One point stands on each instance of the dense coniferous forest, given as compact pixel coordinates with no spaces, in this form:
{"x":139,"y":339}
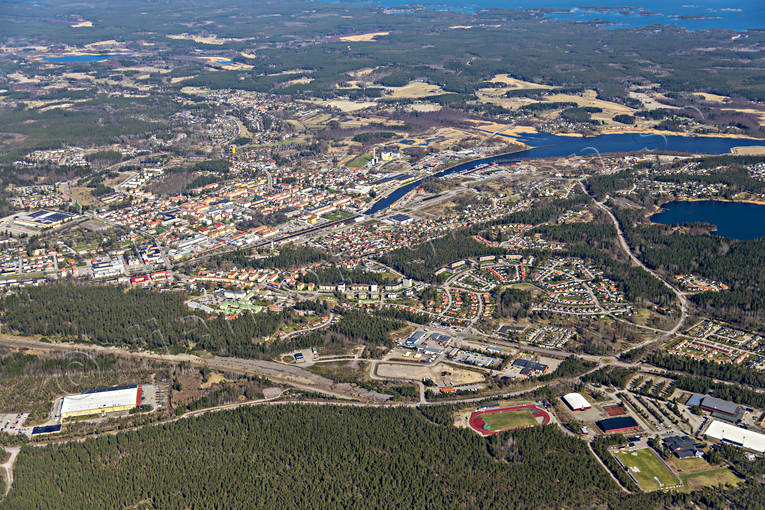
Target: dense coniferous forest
{"x":602,"y":185}
{"x":732,"y":373}
{"x":569,"y":367}
{"x":312,"y":457}
{"x":610,"y":376}
{"x":369,"y":328}
{"x":288,"y":256}
{"x":592,"y":234}
{"x":334,"y":275}
{"x":513,"y":303}
{"x":404,"y":315}
{"x":135,"y":318}
{"x":335,"y":457}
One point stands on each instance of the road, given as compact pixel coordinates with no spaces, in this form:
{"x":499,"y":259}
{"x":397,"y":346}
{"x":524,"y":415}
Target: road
{"x":348,"y":394}
{"x":8,"y":466}
{"x":683,"y":302}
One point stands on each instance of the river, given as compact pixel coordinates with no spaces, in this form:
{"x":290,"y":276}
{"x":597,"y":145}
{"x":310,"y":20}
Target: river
{"x":548,"y":146}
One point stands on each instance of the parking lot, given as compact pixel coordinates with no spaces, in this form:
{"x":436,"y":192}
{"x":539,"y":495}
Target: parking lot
{"x":12,"y":423}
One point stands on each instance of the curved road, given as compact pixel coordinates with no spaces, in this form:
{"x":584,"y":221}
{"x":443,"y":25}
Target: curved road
{"x":626,"y":247}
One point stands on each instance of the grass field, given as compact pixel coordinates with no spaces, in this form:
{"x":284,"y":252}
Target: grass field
{"x":509,"y":420}
{"x":697,"y":473}
{"x":337,"y":215}
{"x":646,"y":467}
{"x":713,"y":478}
{"x":360,"y":161}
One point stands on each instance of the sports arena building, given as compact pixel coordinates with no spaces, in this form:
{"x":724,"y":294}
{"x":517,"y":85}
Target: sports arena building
{"x":102,"y":400}
{"x":737,"y":436}
{"x":719,"y":408}
{"x":576,"y":402}
{"x":619,"y":424}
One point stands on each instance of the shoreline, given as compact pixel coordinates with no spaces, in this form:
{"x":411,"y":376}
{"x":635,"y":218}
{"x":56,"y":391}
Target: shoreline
{"x":612,"y":131}
{"x":660,"y":207}
{"x":729,"y":200}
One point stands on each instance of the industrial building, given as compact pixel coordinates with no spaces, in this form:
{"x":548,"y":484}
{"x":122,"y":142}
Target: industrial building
{"x":576,"y":402}
{"x":529,"y":367}
{"x":719,"y":408}
{"x":401,"y":219}
{"x":616,"y":425}
{"x":103,"y":400}
{"x":43,"y":218}
{"x":736,"y":436}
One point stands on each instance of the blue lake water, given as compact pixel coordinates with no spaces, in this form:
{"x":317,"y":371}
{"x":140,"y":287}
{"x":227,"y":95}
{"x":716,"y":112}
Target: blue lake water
{"x":548,"y":146}
{"x":736,"y":220}
{"x":697,"y":15}
{"x":86,"y":58}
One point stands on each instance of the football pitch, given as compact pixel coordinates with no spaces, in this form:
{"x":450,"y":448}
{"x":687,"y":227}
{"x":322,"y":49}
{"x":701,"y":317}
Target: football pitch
{"x":650,"y":472}
{"x":509,"y":420}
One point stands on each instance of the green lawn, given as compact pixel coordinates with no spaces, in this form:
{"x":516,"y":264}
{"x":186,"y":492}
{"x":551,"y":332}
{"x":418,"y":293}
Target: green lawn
{"x":646,"y":467}
{"x":509,"y":420}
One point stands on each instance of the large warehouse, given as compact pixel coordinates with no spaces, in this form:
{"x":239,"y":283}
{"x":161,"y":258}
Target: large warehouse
{"x":104,"y":400}
{"x":719,"y":408}
{"x":576,"y":402}
{"x":736,"y":436}
{"x":620,"y":424}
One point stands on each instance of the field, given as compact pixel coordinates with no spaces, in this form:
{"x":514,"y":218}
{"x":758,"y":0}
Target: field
{"x":360,"y":161}
{"x":713,"y":478}
{"x":650,"y":473}
{"x":755,"y":150}
{"x":514,"y":83}
{"x":344,"y":105}
{"x":414,"y":90}
{"x":697,"y":473}
{"x":507,"y":418}
{"x":363,"y":37}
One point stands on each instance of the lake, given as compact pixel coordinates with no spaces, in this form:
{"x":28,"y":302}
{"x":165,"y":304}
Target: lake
{"x":735,"y":220}
{"x":86,"y":58}
{"x":545,"y":145}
